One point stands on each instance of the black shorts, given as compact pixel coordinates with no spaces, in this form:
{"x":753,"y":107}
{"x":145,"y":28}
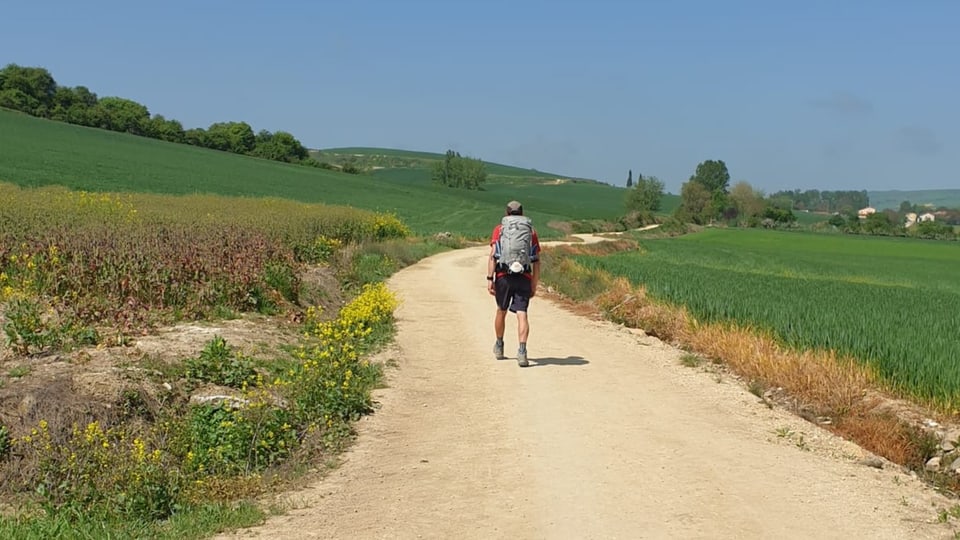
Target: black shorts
{"x":513,"y":292}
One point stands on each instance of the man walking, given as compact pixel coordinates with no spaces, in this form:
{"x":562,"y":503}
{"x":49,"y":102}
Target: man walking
{"x":513,"y":273}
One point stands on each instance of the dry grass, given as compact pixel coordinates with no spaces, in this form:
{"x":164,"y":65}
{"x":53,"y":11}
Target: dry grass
{"x":601,"y":248}
{"x":631,"y":306}
{"x":823,"y":383}
{"x":882,"y":434}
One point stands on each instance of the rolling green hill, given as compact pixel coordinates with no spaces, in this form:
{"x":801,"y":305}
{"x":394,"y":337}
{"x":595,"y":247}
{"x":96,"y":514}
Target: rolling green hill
{"x":577,"y":197}
{"x":390,"y":159}
{"x":37,"y":152}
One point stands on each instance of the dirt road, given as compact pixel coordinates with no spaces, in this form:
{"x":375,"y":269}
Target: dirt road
{"x":605,"y":435}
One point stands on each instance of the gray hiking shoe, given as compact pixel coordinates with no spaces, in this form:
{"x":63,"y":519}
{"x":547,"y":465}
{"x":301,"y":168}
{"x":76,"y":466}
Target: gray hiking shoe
{"x":522,"y":359}
{"x":498,"y":351}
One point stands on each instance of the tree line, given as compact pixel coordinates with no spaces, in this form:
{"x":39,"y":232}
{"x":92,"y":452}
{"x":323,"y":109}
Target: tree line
{"x":705,"y":198}
{"x":814,"y":200}
{"x":33,"y":90}
{"x":708,"y":198}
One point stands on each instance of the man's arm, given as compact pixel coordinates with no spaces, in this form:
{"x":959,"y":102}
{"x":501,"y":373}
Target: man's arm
{"x":535,"y":270}
{"x":491,"y":265}
{"x":534,"y":278}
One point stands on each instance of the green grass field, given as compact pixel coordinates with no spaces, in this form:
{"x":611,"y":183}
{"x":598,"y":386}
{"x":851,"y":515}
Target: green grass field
{"x":805,"y":219}
{"x":36,"y":152}
{"x":889,"y":302}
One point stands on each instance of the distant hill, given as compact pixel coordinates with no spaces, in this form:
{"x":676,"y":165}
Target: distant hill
{"x":391,"y":158}
{"x":936,"y":197}
{"x":582,"y":197}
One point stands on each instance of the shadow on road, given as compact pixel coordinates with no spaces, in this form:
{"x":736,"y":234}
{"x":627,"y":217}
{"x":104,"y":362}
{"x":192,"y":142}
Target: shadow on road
{"x":568,"y":361}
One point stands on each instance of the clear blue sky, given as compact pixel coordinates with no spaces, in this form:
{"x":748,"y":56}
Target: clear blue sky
{"x":840,"y":94}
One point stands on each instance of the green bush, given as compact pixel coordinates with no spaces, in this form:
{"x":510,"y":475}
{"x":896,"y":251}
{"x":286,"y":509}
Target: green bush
{"x":219,"y":364}
{"x":237,"y":440}
{"x":281,"y":277}
{"x":368,"y":268}
{"x":26,"y":329}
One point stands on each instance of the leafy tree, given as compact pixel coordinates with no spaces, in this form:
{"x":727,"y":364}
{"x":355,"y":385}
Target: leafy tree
{"x":695,"y":204}
{"x":779,"y":215}
{"x":934,"y":229}
{"x":712,"y":175}
{"x":645,"y":196}
{"x":18,"y":100}
{"x":853,"y":223}
{"x":196,"y":137}
{"x":97,"y":117}
{"x":27,"y":89}
{"x":445,"y":172}
{"x":81,"y":104}
{"x":124,"y":115}
{"x":279,"y":146}
{"x":878,"y":223}
{"x":714,"y":178}
{"x":167,"y":130}
{"x":83,"y":96}
{"x":63,"y":100}
{"x":474,"y":173}
{"x":236,"y":137}
{"x":747,"y":201}
{"x":630,"y":178}
{"x":458,"y":171}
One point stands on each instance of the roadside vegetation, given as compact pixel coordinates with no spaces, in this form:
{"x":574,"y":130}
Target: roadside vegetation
{"x":181,"y":447}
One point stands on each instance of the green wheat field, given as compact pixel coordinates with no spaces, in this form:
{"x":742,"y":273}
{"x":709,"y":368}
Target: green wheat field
{"x":893,"y":303}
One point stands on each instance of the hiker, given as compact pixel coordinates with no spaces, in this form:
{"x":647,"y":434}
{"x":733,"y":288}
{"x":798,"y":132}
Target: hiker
{"x":513,"y":272}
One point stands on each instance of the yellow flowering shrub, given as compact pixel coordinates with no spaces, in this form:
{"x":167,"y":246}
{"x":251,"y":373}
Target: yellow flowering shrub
{"x":388,"y":226}
{"x":328,"y":387}
{"x":331,"y":385}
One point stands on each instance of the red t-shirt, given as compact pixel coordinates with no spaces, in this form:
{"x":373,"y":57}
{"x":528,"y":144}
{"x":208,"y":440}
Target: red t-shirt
{"x":534,"y":247}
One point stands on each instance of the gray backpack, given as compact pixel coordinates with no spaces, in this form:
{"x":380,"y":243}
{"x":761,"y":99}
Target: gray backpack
{"x":516,"y":239}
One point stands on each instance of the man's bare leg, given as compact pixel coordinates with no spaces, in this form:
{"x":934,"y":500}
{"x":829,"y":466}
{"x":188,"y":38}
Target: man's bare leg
{"x":523,"y":330}
{"x":499,"y":326}
{"x":523,"y":327}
